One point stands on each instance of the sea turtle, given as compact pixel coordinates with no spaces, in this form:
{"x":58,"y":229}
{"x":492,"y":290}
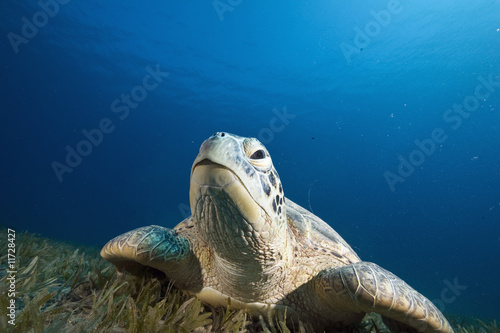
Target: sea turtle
{"x":245,"y":242}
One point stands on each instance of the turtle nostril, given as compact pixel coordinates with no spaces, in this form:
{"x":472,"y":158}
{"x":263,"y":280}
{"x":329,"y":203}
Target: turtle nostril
{"x":222,"y":134}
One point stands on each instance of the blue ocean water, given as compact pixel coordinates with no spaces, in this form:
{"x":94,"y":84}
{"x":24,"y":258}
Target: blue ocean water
{"x":381,"y":117}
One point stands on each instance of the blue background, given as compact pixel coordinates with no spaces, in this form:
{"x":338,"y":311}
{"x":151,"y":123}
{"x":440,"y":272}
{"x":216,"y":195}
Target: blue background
{"x":349,"y":119}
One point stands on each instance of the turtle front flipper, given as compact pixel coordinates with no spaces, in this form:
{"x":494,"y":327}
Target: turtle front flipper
{"x":157,"y":247}
{"x":367,"y":287}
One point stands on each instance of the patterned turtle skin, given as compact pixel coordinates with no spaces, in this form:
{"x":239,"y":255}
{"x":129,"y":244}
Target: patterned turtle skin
{"x":246,"y":242}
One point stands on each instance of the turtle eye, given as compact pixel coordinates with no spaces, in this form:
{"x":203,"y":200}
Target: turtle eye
{"x":258,"y":155}
{"x":260,"y":158}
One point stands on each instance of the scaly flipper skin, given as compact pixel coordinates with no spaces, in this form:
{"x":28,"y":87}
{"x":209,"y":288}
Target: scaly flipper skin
{"x":367,"y":287}
{"x":158,"y":247}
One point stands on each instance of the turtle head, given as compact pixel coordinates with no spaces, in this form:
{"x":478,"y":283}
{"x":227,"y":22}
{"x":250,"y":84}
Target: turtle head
{"x":238,"y":207}
{"x":236,"y":194}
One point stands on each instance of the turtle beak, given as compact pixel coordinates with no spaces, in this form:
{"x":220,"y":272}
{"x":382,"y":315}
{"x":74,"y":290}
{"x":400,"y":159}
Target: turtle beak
{"x":215,"y":180}
{"x":208,"y":173}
